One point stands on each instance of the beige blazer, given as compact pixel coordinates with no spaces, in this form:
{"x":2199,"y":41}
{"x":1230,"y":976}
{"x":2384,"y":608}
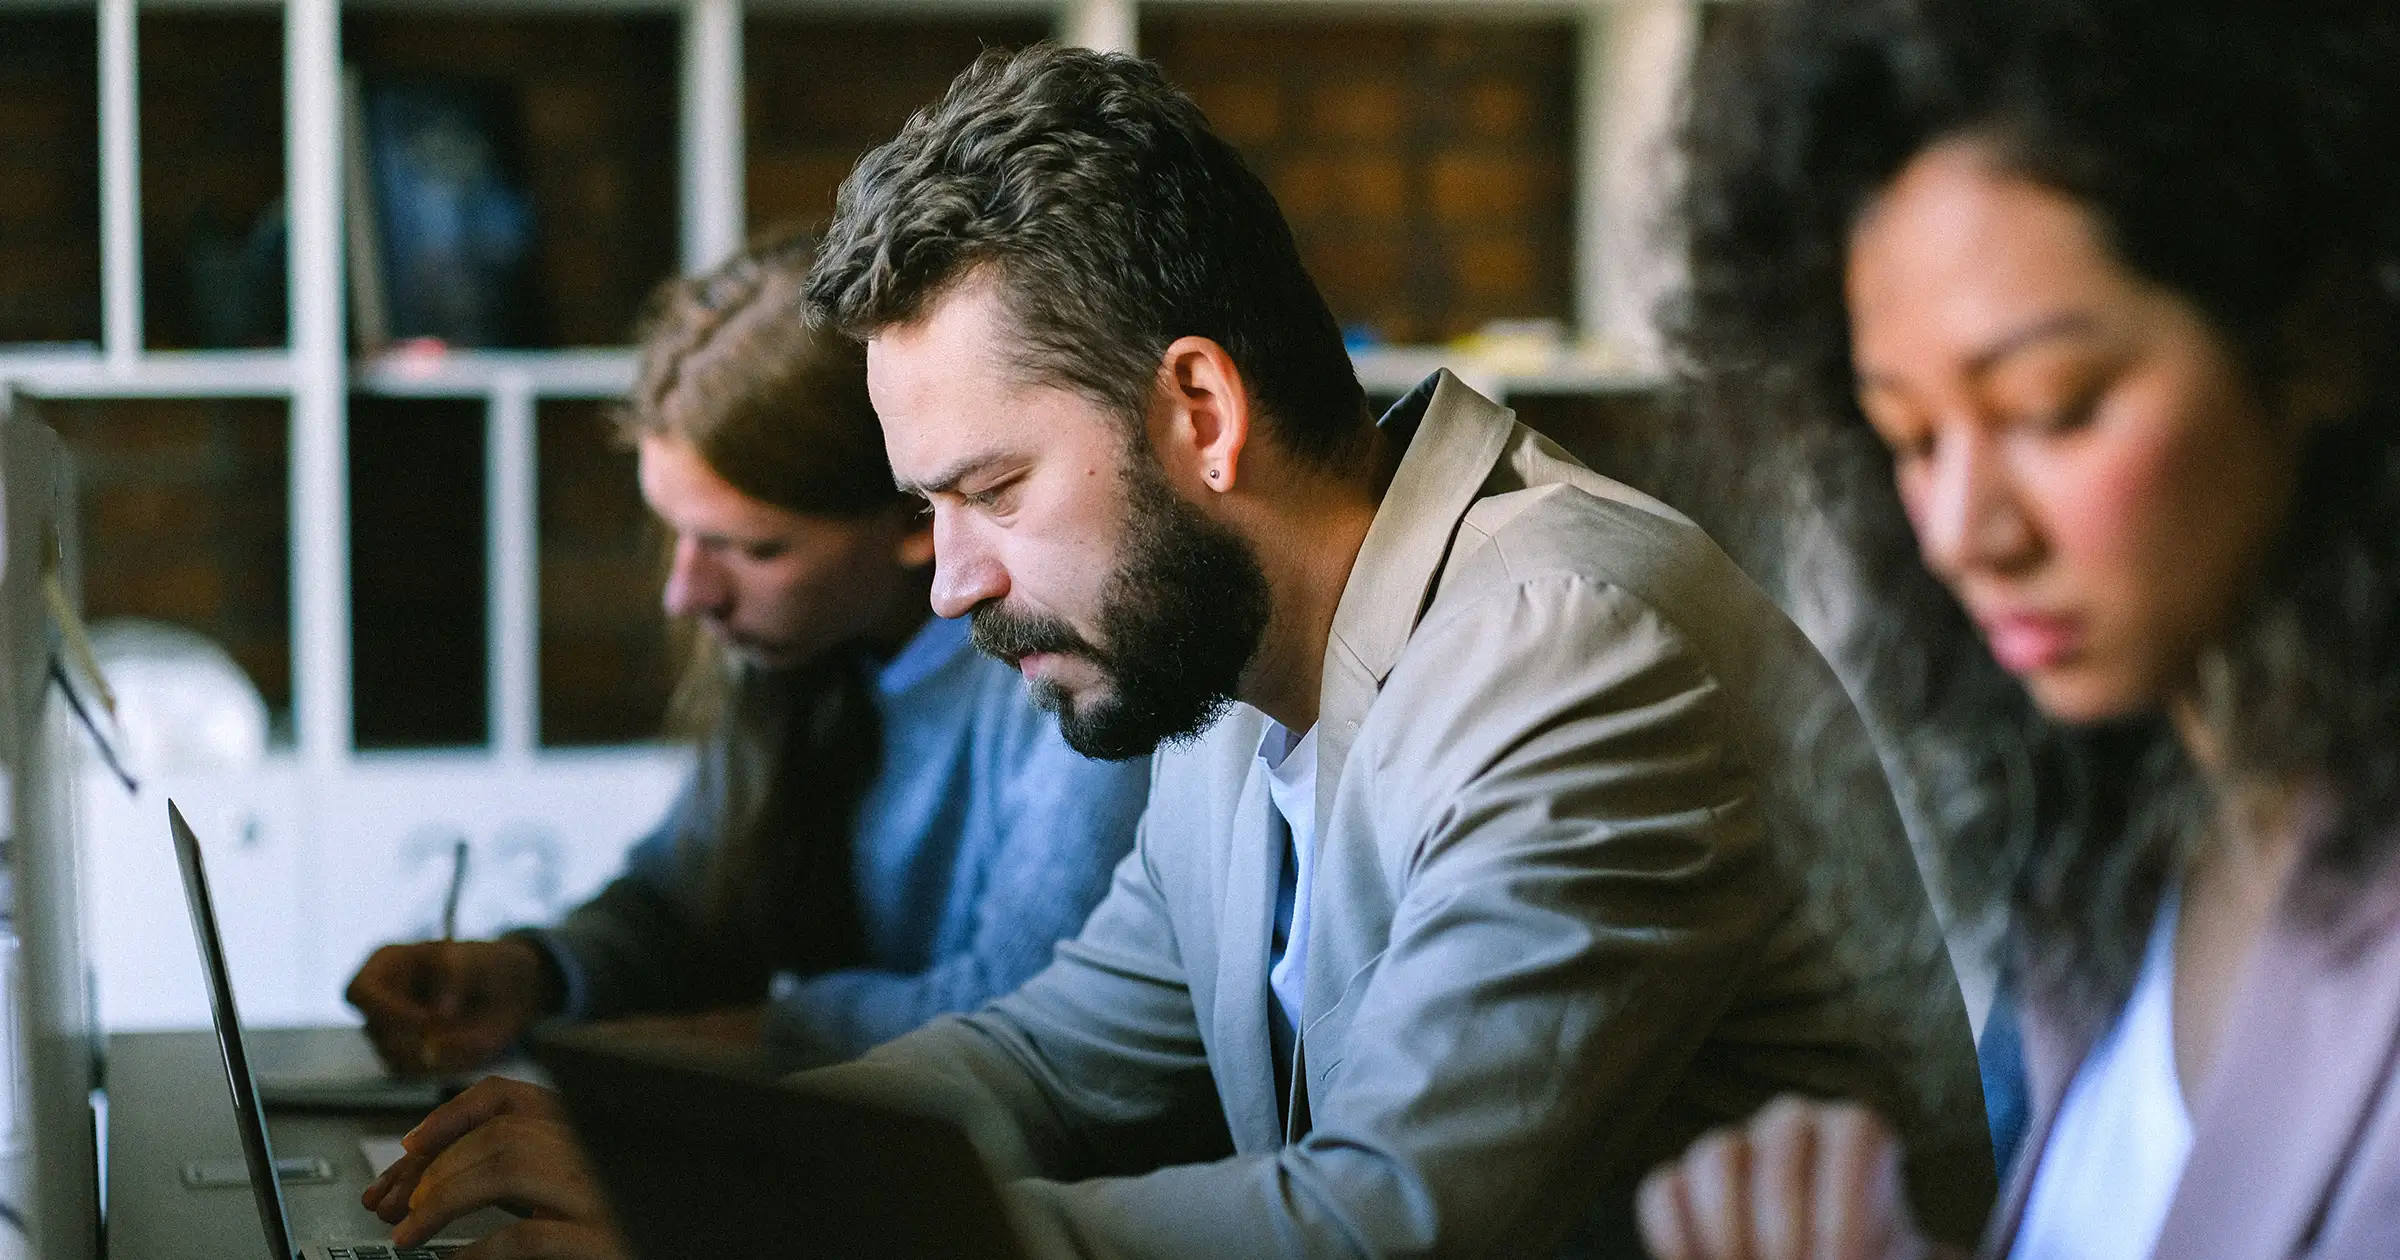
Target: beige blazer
{"x":2296,"y":1136}
{"x":1603,"y":859}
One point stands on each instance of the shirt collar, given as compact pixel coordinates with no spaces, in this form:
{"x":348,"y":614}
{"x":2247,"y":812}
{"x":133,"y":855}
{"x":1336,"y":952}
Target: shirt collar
{"x":933,"y":646}
{"x":1278,"y":745}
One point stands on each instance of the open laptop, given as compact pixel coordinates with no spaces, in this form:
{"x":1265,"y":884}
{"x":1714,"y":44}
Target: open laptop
{"x":249,"y":1116}
{"x":702,"y":1160}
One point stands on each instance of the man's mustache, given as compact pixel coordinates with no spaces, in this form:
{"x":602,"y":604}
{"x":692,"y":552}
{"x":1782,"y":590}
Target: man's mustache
{"x":1006,"y":636}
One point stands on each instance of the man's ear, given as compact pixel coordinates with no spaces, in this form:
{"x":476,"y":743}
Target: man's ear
{"x":1205,"y":427}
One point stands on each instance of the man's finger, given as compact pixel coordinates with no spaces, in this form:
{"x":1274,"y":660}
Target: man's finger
{"x":515,"y":1162}
{"x":1660,"y":1208}
{"x":1783,"y":1172}
{"x":388,"y":1193}
{"x":388,"y":982}
{"x":1717,"y":1170}
{"x":476,"y":1172}
{"x":1854,"y":1219}
{"x":478,"y":1104}
{"x":395,"y":1041}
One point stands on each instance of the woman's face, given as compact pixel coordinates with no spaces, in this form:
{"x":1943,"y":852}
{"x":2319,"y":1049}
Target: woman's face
{"x":2085,"y":462}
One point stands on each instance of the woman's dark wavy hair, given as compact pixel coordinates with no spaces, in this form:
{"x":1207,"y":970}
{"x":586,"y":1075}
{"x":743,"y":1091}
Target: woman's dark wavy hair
{"x":2243,"y":155}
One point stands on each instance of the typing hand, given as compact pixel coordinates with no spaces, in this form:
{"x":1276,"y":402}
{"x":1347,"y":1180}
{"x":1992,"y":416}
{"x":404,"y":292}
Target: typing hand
{"x":445,"y":1006}
{"x":505,"y":1144}
{"x":1802,"y":1180}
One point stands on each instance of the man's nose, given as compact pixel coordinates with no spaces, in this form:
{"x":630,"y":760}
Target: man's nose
{"x":696,"y":585}
{"x":966,"y":572}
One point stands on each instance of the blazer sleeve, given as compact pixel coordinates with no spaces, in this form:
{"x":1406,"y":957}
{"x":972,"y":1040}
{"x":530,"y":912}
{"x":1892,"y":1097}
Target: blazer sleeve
{"x":1094,"y":1065}
{"x":1579,"y":900}
{"x":1065,"y":822}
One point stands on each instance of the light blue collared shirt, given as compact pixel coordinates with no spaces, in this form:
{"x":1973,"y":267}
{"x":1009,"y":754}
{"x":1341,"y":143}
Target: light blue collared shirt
{"x":1291,"y":765}
{"x":982,"y":842}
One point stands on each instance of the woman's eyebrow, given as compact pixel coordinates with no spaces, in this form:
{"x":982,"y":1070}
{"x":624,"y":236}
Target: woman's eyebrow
{"x":2067,"y":326}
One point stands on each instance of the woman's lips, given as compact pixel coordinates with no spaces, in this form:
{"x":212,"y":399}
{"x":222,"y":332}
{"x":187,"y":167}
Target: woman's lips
{"x":2024,"y":643}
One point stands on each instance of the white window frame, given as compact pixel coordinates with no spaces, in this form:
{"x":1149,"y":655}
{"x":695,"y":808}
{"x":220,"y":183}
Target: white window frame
{"x":1633,"y":62}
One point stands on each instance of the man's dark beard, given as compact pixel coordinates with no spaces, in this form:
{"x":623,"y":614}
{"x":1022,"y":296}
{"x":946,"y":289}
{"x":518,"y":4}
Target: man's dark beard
{"x":1179,"y":621}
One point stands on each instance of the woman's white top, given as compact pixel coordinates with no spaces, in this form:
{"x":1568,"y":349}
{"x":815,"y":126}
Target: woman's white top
{"x":2109,"y":1170}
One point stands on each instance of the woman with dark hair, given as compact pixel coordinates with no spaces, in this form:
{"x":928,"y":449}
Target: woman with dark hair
{"x":2081,"y":319}
{"x":882,"y":828}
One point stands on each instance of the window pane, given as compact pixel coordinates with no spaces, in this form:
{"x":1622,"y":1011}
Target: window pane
{"x":823,"y":89}
{"x":185,"y":518}
{"x":1427,"y":170}
{"x":49,"y":177}
{"x":606,"y":667}
{"x":213,"y":231}
{"x":417,"y":584}
{"x":578,"y":116}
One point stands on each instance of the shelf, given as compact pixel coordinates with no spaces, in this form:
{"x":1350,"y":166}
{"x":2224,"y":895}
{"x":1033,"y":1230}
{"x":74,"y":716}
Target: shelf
{"x":1492,"y":9}
{"x":605,"y":372}
{"x":1397,"y":369}
{"x":69,"y":372}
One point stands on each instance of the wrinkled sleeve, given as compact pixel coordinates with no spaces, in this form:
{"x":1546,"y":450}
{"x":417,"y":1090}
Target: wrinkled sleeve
{"x":1581,"y":897}
{"x":639,"y":945}
{"x":1095,"y":1064}
{"x":1063,"y":823}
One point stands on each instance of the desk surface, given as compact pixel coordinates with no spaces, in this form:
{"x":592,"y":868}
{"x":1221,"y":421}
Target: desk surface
{"x":168,"y":1106}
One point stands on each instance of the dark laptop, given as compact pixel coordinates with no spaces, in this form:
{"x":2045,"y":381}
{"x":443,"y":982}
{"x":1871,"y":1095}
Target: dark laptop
{"x":713,"y":1160}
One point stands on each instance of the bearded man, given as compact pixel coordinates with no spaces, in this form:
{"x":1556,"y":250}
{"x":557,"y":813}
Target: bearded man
{"x":1504,"y":836}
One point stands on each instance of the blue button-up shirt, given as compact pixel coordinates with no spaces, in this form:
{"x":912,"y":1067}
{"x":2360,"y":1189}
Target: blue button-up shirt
{"x":982,"y":842}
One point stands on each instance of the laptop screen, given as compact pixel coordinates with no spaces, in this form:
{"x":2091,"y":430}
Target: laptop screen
{"x":248,"y":1116}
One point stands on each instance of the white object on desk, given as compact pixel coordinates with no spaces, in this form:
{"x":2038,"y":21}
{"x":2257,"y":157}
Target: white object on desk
{"x":381,"y":1152}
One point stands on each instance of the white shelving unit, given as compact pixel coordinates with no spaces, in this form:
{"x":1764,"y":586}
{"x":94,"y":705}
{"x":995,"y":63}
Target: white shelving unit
{"x":327,"y":826}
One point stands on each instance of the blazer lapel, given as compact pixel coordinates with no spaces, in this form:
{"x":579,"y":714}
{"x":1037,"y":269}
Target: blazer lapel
{"x":1243,"y":1054}
{"x":2055,"y":1049}
{"x":1458,"y":437}
{"x":2307,"y":1055}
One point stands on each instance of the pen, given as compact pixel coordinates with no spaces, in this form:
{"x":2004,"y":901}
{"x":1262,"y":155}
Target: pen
{"x":458,"y":881}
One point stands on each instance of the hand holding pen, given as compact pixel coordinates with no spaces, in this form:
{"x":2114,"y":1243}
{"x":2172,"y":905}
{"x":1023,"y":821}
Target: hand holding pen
{"x":448,"y":1005}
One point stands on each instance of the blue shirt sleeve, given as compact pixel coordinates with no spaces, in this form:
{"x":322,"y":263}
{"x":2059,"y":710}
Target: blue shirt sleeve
{"x":637,"y":946}
{"x":1056,"y":826}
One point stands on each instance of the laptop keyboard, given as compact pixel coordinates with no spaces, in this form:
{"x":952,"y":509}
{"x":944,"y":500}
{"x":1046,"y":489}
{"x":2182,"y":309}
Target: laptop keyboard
{"x":380,"y":1251}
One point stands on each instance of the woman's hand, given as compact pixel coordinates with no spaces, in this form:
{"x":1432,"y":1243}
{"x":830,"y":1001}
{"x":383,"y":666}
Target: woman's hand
{"x":506,"y":1144}
{"x":1803,"y":1180}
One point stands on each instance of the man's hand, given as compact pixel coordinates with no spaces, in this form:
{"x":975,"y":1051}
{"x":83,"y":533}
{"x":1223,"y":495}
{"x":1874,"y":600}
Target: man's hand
{"x":505,"y":1144}
{"x":445,"y":1006}
{"x":1802,"y":1180}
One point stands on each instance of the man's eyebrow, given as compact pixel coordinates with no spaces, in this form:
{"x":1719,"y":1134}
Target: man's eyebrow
{"x":949,"y":478}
